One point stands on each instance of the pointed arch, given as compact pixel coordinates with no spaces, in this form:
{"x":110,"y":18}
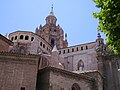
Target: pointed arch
{"x":80,"y":65}
{"x":52,"y":42}
{"x":75,"y":86}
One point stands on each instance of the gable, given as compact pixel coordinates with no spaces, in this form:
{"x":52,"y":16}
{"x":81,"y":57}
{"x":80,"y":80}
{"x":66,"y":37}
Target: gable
{"x":4,"y":43}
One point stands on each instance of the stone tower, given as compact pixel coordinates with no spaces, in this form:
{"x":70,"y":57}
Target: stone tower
{"x":51,"y":32}
{"x":107,"y":65}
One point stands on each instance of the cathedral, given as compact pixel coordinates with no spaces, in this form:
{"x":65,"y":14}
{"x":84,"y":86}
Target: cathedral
{"x":42,"y":60}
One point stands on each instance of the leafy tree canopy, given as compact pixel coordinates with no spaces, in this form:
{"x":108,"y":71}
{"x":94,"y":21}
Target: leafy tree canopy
{"x":109,"y":22}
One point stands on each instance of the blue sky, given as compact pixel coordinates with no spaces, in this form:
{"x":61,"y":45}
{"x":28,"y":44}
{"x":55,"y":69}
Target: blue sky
{"x":74,"y":16}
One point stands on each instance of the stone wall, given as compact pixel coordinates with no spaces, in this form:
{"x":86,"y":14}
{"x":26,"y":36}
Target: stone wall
{"x":97,"y":76}
{"x":88,"y":56}
{"x":18,"y":71}
{"x":58,"y":79}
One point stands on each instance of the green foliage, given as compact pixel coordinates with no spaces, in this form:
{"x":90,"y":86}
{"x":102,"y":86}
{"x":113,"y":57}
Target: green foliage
{"x":109,"y":21}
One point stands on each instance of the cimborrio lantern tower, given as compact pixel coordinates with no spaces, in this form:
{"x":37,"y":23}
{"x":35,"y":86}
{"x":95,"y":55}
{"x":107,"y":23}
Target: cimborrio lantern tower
{"x":51,"y":32}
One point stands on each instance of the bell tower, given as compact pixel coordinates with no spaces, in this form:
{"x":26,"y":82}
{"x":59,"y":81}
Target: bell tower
{"x":51,"y":32}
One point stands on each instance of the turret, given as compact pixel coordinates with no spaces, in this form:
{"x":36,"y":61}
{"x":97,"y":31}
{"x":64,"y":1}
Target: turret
{"x":107,"y":66}
{"x":100,"y":43}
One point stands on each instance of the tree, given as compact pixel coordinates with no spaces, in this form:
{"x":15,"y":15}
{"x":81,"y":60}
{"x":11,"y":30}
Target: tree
{"x":109,"y":22}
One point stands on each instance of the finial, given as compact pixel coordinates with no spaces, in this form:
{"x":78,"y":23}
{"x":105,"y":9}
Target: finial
{"x":52,"y":13}
{"x":99,"y":34}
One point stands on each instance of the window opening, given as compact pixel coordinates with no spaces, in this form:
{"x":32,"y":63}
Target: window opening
{"x":52,"y":42}
{"x":68,"y":50}
{"x":72,"y":49}
{"x":12,"y":38}
{"x":43,"y":45}
{"x":40,"y":43}
{"x":21,"y":36}
{"x":63,"y":51}
{"x":22,"y":88}
{"x":80,"y":65}
{"x":81,"y":48}
{"x":26,"y":37}
{"x":77,"y":48}
{"x":32,"y":38}
{"x":75,"y":86}
{"x":15,"y":37}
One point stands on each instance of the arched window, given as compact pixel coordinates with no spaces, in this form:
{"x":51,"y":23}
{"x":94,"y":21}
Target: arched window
{"x":75,"y":86}
{"x":21,"y":36}
{"x":72,"y":49}
{"x":43,"y":45}
{"x":15,"y":37}
{"x":80,"y":65}
{"x":68,"y":50}
{"x":22,"y":88}
{"x":12,"y":38}
{"x":77,"y":48}
{"x":63,"y":51}
{"x":86,"y":47}
{"x":40,"y":43}
{"x":81,"y":48}
{"x":52,"y":42}
{"x":22,"y":50}
{"x":32,"y":38}
{"x":26,"y":37}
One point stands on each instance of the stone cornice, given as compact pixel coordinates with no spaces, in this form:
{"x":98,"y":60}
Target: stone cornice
{"x":68,"y":73}
{"x":93,"y":71}
{"x":18,"y":58}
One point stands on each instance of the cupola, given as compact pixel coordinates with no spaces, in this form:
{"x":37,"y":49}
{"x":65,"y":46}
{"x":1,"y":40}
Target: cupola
{"x":51,"y":19}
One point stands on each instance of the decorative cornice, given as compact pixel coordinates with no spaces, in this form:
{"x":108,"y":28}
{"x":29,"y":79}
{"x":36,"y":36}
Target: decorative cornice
{"x":65,"y":72}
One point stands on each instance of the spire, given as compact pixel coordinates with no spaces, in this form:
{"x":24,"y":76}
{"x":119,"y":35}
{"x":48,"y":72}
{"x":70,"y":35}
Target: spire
{"x":52,"y":13}
{"x":55,"y":49}
{"x":100,"y":43}
{"x":7,"y":35}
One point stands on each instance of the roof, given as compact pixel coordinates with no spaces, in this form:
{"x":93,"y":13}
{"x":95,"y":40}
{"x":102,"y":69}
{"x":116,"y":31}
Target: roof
{"x":6,"y":40}
{"x":69,"y":73}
